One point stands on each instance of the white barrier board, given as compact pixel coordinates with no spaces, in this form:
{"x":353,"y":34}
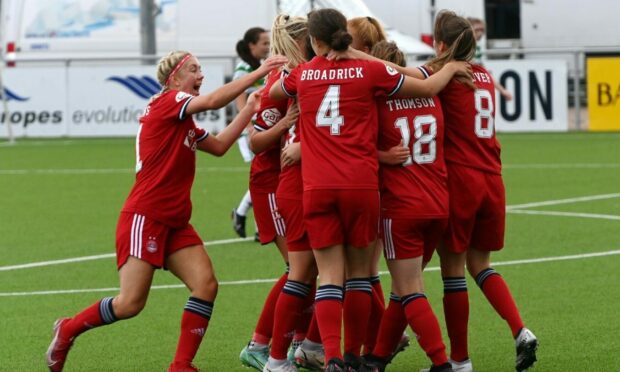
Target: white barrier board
{"x":540,"y":95}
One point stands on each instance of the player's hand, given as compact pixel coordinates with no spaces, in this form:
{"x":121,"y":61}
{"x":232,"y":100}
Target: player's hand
{"x":291,"y":154}
{"x":253,"y":102}
{"x":396,"y":155}
{"x":350,"y":53}
{"x":506,"y":94}
{"x":462,"y":69}
{"x":291,"y":116}
{"x":275,"y":61}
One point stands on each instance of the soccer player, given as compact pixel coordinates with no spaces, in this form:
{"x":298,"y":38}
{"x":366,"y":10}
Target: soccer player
{"x":253,"y":48}
{"x":153,"y":230}
{"x":264,"y":175}
{"x":367,"y":32}
{"x":477,"y":197}
{"x":294,"y":308}
{"x":338,"y":119}
{"x":414,"y":211}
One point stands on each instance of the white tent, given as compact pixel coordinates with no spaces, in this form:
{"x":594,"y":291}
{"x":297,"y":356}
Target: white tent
{"x":351,"y":9}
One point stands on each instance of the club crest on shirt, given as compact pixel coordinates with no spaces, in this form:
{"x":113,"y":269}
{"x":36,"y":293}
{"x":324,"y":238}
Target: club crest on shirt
{"x":151,"y":245}
{"x":390,"y":70}
{"x":271,"y":116}
{"x":181,"y":96}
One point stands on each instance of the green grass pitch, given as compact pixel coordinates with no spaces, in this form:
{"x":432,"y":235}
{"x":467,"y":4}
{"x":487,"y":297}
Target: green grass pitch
{"x":61,"y":198}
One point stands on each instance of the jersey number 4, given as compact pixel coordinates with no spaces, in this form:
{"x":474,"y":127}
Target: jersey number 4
{"x":329,"y":111}
{"x":422,"y":136}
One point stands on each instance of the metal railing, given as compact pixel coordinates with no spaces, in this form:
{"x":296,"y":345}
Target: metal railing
{"x":575,"y":58}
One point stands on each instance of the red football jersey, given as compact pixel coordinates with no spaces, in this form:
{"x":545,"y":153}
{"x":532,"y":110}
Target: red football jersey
{"x":470,"y":123}
{"x":417,"y":188}
{"x":265,"y":169}
{"x":291,"y":186}
{"x":165,"y":161}
{"x":339,"y":120}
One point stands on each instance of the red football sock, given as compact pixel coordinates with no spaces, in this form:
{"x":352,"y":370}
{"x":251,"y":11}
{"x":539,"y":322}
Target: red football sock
{"x":456,"y":313}
{"x":287,"y":314}
{"x":264,"y":326}
{"x":314,"y":334}
{"x":307,"y":313}
{"x":194,"y":323}
{"x":328,"y":309}
{"x":425,"y":325}
{"x":393,"y":324}
{"x":376,"y":313}
{"x":96,"y":315}
{"x":357,"y":305}
{"x":496,"y":291}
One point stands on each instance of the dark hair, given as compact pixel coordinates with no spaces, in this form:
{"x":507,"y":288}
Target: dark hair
{"x":457,"y":34}
{"x":243,"y":46}
{"x":388,"y":51}
{"x":329,"y":26}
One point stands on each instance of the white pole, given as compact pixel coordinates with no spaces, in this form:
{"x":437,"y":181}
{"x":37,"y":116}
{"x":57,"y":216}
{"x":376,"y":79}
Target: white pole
{"x":5,"y":106}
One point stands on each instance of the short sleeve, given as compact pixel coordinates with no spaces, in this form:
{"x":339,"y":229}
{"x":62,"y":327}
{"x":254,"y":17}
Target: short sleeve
{"x":289,"y":82}
{"x":270,"y":112}
{"x":386,"y":79}
{"x":176,"y":104}
{"x":201,"y":133}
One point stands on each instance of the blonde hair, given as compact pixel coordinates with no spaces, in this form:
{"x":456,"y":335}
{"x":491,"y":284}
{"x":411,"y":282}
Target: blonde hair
{"x":286,"y":31}
{"x":368,"y":29}
{"x":388,"y":51}
{"x":167,"y":64}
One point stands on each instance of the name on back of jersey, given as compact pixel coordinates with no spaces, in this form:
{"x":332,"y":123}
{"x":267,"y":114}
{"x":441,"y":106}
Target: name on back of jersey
{"x":409,"y":103}
{"x":333,"y":74}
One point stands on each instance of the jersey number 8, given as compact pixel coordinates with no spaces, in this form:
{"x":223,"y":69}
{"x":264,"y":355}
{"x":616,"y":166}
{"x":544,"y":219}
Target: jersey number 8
{"x":484,"y":112}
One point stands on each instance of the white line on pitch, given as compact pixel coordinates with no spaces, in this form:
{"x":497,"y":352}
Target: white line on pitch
{"x":565,"y":214}
{"x":106,"y":171}
{"x":563,"y":201}
{"x":562,"y":166}
{"x":107,"y":255}
{"x":258,"y":281}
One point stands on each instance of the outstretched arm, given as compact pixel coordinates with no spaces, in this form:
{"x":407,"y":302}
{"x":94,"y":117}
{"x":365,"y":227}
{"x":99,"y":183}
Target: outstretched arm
{"x":228,"y":92}
{"x":435,"y":84}
{"x":219,"y":144}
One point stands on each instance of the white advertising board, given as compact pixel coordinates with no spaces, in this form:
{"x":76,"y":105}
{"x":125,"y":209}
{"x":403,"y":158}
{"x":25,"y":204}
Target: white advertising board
{"x":36,"y":100}
{"x":106,"y":101}
{"x":540,"y":95}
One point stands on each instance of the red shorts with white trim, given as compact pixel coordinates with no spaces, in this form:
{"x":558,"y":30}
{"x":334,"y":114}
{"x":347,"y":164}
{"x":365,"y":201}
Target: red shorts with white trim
{"x":146,"y":239}
{"x":292,"y":212}
{"x":349,"y":217}
{"x":268,"y":219}
{"x":405,"y":238}
{"x":477,"y":210}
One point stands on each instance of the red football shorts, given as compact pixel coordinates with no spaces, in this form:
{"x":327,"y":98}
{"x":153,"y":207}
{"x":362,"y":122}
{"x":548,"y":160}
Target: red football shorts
{"x":405,"y":238}
{"x":292,"y":212}
{"x":477,"y":210}
{"x":149,"y":240}
{"x":268,"y":219}
{"x":349,"y":217}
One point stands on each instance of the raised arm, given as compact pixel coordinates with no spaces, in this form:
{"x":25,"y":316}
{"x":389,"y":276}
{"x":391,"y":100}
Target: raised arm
{"x":352,"y":53}
{"x":433,"y":85}
{"x":276,"y":92}
{"x":219,"y":144}
{"x":226,"y":93}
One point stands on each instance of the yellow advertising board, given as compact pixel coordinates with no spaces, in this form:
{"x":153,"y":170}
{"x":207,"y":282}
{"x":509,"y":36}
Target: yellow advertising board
{"x":604,"y":93}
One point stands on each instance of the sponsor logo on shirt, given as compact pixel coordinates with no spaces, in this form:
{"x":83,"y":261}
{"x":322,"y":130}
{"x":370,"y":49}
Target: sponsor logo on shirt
{"x":271,"y":116}
{"x":190,"y":141}
{"x":181,"y":96}
{"x":390,"y":70}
